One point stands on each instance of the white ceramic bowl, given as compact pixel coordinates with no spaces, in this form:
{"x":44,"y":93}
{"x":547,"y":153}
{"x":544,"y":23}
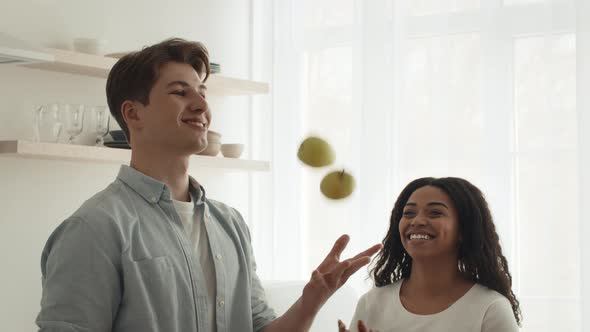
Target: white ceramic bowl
{"x":212,"y":149}
{"x":213,"y":137}
{"x":232,"y":150}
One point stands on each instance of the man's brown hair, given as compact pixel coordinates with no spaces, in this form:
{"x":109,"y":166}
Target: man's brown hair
{"x":134,"y":75}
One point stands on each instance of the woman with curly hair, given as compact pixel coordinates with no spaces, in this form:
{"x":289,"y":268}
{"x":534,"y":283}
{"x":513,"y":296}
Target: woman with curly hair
{"x":441,"y":267}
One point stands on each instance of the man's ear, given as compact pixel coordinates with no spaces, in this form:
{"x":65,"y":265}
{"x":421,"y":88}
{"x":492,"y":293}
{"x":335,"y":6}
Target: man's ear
{"x":131,"y":114}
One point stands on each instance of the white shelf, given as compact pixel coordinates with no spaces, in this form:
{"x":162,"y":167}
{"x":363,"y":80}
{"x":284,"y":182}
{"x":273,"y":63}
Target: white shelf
{"x":84,"y":153}
{"x":99,"y":66}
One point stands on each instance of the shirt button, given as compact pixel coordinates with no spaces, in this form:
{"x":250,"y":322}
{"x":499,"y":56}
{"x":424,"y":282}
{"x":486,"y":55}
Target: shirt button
{"x":218,"y":256}
{"x":221,"y":303}
{"x":154,"y":199}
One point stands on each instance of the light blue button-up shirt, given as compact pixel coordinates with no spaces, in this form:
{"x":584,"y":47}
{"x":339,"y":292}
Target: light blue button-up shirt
{"x":122,"y":262}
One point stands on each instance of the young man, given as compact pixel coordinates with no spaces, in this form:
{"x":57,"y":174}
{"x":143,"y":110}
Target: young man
{"x":151,"y":252}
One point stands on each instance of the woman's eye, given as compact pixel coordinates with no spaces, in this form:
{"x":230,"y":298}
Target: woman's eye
{"x":179,"y":92}
{"x":436,"y":213}
{"x":408,"y":213}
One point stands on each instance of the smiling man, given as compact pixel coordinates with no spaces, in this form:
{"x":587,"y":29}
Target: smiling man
{"x":152,"y":252}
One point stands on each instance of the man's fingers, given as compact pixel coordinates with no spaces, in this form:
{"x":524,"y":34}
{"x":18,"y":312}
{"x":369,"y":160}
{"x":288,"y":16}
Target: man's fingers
{"x":355,"y":265}
{"x":359,"y":261}
{"x":334,"y":277}
{"x":339,"y":246}
{"x":370,"y":252}
{"x":334,"y":254}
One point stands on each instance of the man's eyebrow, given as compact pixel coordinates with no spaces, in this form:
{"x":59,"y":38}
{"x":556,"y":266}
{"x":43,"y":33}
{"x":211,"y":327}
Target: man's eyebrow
{"x":184,"y":84}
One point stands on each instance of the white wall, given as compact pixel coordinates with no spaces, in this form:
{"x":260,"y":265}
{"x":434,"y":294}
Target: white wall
{"x":35,"y":195}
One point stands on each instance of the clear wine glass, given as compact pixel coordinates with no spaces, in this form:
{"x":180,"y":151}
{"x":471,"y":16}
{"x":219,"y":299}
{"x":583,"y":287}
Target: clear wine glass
{"x":100,"y":123}
{"x":73,"y":120}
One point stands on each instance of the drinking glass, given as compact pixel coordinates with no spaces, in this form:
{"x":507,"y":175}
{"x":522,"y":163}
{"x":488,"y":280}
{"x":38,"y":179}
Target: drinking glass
{"x":73,"y":120}
{"x":100,"y":123}
{"x":47,"y":123}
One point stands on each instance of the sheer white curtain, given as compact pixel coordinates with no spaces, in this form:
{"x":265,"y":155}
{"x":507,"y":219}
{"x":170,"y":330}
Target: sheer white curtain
{"x":583,"y":106}
{"x":494,"y":91}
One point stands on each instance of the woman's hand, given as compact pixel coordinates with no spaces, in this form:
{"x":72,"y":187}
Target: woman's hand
{"x":361,"y":327}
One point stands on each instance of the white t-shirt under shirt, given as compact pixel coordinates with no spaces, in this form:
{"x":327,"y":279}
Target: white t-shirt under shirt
{"x":479,"y":310}
{"x":191,"y":216}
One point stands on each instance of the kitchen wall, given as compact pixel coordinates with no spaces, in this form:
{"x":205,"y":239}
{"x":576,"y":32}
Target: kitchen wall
{"x":36,"y":195}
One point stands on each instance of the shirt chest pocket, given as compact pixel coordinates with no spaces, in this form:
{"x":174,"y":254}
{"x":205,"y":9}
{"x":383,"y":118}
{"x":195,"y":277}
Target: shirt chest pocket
{"x":149,"y":288}
{"x":153,"y":270}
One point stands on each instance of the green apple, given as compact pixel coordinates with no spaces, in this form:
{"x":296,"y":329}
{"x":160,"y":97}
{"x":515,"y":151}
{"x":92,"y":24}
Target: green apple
{"x":337,"y":185}
{"x":315,"y":152}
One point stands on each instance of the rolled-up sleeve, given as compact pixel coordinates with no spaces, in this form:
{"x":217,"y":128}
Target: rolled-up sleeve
{"x":262,"y":313}
{"x":81,"y":284}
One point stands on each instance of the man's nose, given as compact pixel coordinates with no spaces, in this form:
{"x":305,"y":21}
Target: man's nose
{"x":198,"y":103}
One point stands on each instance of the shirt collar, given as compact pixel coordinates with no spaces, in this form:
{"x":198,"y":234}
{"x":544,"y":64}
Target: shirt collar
{"x":153,"y":190}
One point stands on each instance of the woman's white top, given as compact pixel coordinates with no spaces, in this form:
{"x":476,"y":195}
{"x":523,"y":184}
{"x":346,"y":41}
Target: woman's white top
{"x":479,"y":310}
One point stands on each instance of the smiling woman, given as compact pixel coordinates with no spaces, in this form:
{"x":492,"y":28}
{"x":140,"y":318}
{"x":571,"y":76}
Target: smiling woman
{"x":441,"y":267}
{"x":429,"y":224}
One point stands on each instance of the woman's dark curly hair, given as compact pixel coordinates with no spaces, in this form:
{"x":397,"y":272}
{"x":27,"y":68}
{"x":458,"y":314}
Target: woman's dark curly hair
{"x":480,"y":254}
